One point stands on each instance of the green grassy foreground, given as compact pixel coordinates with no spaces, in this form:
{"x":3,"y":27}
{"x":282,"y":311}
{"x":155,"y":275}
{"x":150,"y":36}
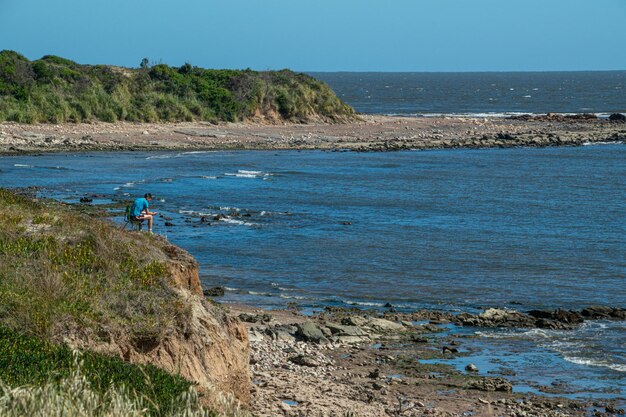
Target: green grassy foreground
{"x":29,"y":361}
{"x":57,"y":90}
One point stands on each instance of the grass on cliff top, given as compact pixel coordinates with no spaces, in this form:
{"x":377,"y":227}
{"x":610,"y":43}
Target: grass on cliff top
{"x":64,"y":273}
{"x":56,"y":90}
{"x":54,"y":373}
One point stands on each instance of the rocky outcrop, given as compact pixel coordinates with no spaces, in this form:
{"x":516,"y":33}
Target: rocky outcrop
{"x":617,"y":117}
{"x":491,"y":384}
{"x":544,"y":319}
{"x":209,"y":348}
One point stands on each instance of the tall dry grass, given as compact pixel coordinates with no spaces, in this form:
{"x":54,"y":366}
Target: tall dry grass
{"x":74,"y":397}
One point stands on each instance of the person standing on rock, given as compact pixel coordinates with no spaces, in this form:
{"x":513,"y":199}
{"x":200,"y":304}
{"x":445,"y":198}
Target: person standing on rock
{"x":139,"y":210}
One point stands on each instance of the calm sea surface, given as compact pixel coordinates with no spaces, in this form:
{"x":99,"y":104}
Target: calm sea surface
{"x":450,"y":229}
{"x":481,"y":93}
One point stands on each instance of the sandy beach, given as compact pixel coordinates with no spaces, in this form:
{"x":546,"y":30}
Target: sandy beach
{"x":371,"y":133}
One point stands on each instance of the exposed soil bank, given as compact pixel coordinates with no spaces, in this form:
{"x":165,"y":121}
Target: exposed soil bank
{"x":372,"y":133}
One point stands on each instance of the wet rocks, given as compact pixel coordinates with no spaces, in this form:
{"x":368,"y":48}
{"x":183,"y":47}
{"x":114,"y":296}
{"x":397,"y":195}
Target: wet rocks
{"x":601,"y":312}
{"x":559,"y":319}
{"x":471,"y":368}
{"x":617,"y":117}
{"x":495,"y":317}
{"x":563,"y":316}
{"x":491,"y":384}
{"x":448,"y":349}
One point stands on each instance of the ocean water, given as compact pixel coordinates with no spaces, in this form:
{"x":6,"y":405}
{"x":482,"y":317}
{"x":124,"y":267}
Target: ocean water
{"x":488,"y":93}
{"x":457,"y":230}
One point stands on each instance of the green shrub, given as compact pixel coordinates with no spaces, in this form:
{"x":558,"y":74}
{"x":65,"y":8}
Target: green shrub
{"x":54,"y":89}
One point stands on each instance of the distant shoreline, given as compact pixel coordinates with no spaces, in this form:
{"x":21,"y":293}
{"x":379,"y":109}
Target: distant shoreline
{"x":370,"y":133}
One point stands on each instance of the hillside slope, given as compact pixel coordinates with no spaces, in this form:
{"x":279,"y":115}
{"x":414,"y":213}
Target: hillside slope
{"x":67,"y":277}
{"x":56,"y":90}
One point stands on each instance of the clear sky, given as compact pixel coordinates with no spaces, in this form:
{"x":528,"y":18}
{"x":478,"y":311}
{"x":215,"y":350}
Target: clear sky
{"x":325,"y":35}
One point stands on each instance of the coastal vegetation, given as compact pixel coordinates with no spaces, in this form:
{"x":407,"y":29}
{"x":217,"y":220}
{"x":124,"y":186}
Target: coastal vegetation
{"x":60,"y":269}
{"x":56,"y":90}
{"x":67,"y":279}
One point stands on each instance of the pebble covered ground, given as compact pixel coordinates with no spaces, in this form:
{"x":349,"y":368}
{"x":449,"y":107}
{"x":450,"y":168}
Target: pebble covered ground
{"x":371,"y":133}
{"x":301,"y":368}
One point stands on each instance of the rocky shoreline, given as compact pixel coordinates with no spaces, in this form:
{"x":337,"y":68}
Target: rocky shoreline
{"x":370,"y":133}
{"x":351,"y":362}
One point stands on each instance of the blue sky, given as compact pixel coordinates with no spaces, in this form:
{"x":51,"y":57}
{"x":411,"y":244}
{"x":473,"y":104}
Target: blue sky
{"x":325,"y":35}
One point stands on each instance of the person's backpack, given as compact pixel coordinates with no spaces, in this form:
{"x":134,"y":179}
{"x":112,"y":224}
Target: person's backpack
{"x":128,"y":220}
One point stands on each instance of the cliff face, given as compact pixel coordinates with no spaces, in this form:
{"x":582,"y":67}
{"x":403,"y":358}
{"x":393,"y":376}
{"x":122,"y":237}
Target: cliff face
{"x":210,"y":349}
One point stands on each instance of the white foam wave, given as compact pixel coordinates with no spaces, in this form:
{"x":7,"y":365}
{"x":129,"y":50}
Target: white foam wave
{"x":209,"y":177}
{"x":532,"y":334}
{"x":460,"y":115}
{"x":22,"y":166}
{"x":363,"y":303}
{"x":601,"y":143}
{"x":244,"y":173}
{"x":195,"y":152}
{"x":592,"y":362}
{"x":178,"y":155}
{"x":293,"y":297}
{"x":195,"y":213}
{"x":237,"y":222}
{"x":265,"y":294}
{"x":482,"y":115}
{"x":239,"y":175}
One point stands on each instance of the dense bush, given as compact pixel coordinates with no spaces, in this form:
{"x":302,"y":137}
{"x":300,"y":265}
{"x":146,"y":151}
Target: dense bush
{"x":54,"y":89}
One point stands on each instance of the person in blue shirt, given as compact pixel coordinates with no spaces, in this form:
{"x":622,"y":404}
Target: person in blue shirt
{"x":139,"y":210}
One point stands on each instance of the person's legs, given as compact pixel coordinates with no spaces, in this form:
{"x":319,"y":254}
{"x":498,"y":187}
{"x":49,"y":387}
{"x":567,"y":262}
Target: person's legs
{"x":147,"y":217}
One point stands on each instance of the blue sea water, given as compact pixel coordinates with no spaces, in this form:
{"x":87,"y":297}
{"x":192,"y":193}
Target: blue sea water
{"x":450,"y":229}
{"x":481,"y":93}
